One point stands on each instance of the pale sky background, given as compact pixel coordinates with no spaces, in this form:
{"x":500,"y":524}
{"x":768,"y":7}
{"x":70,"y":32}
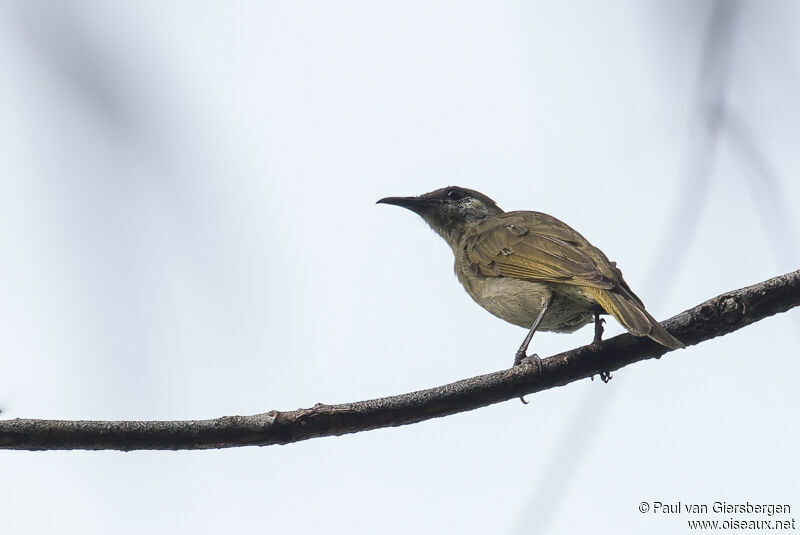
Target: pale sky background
{"x":188,"y":230}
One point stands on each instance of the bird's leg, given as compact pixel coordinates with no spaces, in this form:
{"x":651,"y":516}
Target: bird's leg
{"x":598,"y":327}
{"x":522,"y":352}
{"x":523,"y":349}
{"x":598,"y":337}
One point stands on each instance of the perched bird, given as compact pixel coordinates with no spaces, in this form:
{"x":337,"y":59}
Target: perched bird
{"x":531,"y":269}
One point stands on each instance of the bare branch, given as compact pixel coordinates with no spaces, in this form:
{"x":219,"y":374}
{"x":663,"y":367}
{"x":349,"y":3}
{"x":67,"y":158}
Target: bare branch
{"x":716,"y":317}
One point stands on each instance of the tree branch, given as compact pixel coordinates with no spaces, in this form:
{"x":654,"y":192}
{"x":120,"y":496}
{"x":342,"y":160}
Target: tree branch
{"x":716,"y":317}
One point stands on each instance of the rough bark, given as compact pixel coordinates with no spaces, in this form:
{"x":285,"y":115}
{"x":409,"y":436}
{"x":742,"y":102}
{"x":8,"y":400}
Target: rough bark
{"x":716,"y":317}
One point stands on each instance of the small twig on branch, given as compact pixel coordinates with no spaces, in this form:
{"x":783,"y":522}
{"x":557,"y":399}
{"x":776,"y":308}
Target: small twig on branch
{"x":716,"y":317}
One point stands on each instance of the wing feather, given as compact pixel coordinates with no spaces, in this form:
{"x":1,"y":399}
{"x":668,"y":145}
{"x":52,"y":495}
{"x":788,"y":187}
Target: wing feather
{"x":533,"y":246}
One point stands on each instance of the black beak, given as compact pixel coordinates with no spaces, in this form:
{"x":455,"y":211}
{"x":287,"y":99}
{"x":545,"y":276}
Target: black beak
{"x":415,"y":204}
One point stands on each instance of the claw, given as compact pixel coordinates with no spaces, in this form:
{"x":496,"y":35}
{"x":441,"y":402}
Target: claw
{"x":521,"y":358}
{"x":535,"y":360}
{"x":604,"y":376}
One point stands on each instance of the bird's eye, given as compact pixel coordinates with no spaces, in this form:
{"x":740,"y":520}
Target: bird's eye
{"x":455,"y":194}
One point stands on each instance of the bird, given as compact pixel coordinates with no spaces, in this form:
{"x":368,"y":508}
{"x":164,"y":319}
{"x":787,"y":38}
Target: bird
{"x":531,"y":269}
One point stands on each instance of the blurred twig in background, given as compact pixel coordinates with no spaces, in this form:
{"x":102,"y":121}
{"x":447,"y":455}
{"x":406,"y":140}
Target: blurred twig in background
{"x":704,"y":132}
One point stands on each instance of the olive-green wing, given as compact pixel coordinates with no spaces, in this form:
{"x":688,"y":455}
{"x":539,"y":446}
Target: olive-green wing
{"x":538,"y":247}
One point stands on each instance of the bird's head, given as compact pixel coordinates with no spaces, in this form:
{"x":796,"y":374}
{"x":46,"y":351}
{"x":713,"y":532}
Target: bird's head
{"x":449,"y":211}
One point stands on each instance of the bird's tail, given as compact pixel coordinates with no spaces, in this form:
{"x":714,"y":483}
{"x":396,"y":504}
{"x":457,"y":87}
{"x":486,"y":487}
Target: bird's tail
{"x":634,"y":317}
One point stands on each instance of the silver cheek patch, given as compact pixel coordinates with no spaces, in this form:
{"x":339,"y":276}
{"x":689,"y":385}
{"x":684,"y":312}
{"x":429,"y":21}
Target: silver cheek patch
{"x":474,"y":208}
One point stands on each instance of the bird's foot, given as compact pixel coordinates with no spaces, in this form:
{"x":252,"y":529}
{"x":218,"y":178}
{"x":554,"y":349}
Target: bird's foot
{"x":533,"y":359}
{"x":521,"y":358}
{"x":604,"y":376}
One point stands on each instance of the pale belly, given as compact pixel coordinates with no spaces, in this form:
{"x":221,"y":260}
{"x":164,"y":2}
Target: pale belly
{"x":519,"y":302}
